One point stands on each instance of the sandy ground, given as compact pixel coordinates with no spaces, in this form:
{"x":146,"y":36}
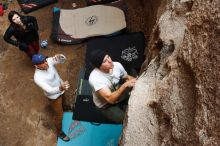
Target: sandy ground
{"x":24,"y":111}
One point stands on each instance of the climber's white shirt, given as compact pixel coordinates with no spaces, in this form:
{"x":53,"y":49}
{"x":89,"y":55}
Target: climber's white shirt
{"x":99,"y":80}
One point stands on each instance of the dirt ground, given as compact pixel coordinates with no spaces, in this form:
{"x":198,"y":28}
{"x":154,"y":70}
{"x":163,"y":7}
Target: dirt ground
{"x":24,"y":111}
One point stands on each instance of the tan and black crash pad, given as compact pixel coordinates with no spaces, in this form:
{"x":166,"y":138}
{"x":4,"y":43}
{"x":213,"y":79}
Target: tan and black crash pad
{"x":92,"y":21}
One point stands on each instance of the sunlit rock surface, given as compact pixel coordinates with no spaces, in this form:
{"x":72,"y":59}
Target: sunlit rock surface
{"x":176,"y":99}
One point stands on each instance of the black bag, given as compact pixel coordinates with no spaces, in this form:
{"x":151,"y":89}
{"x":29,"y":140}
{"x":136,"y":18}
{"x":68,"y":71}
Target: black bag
{"x":85,"y":110}
{"x":98,"y":2}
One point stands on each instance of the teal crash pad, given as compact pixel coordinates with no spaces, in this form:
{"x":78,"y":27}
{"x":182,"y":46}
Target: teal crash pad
{"x":89,"y":134}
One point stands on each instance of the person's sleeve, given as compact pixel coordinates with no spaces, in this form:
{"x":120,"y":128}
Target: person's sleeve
{"x":7,"y":37}
{"x":34,"y":21}
{"x":96,"y":84}
{"x":52,"y":61}
{"x":123,"y":72}
{"x":47,"y":88}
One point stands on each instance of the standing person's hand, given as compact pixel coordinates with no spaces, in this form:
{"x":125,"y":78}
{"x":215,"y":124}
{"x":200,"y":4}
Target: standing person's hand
{"x":64,"y":86}
{"x":59,"y":57}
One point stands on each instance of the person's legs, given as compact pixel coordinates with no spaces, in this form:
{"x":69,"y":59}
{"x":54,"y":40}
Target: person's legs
{"x":56,"y":105}
{"x":36,"y":46}
{"x":125,"y":96}
{"x":114,"y":113}
{"x":33,"y":48}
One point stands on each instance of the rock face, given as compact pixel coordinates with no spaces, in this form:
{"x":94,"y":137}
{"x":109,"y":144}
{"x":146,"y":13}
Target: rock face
{"x":176,"y":98}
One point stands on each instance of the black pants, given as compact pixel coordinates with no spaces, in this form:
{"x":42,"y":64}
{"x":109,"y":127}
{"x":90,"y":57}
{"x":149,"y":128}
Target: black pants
{"x":116,"y":112}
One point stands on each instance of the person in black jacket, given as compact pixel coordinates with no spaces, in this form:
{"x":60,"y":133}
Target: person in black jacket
{"x":25,"y":31}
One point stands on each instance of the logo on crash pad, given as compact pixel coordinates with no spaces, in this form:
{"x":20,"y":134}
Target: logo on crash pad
{"x":91,"y":20}
{"x":129,"y":54}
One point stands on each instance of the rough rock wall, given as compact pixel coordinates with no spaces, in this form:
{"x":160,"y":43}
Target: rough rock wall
{"x":176,"y":98}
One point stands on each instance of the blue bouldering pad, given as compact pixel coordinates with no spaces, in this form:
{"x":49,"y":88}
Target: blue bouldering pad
{"x":89,"y":134}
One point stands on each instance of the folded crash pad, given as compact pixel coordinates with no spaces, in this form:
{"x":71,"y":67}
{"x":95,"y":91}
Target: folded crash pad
{"x":74,"y":26}
{"x":28,"y":6}
{"x":98,"y":2}
{"x":92,"y":21}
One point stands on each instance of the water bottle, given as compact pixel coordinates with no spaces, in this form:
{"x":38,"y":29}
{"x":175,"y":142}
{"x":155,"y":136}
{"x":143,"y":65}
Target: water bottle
{"x":44,"y":44}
